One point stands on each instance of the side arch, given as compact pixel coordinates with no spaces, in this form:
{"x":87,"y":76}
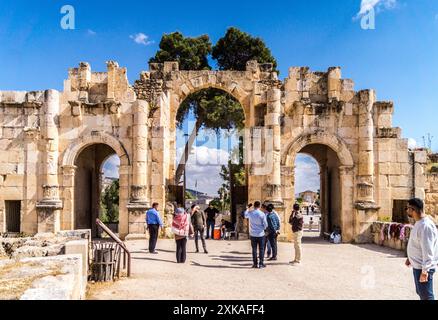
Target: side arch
{"x":330,"y":140}
{"x":70,"y":154}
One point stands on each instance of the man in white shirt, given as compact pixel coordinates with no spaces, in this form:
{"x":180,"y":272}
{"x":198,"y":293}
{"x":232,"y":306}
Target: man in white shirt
{"x":422,"y":249}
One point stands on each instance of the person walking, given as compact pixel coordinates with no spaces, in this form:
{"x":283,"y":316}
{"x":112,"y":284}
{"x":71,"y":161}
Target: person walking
{"x":181,"y":228}
{"x":154,"y":222}
{"x":211,"y":220}
{"x":198,"y":223}
{"x":273,"y":230}
{"x":297,"y":221}
{"x":257,"y":227}
{"x":422,"y":249}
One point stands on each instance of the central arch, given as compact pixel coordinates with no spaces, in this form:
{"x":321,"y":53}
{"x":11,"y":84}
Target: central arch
{"x":192,"y":87}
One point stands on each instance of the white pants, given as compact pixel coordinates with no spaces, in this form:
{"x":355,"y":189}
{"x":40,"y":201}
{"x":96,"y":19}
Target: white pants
{"x":296,"y":238}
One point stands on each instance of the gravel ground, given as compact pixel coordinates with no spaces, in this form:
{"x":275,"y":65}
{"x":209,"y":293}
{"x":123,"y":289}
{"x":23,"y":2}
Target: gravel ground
{"x":328,"y":271}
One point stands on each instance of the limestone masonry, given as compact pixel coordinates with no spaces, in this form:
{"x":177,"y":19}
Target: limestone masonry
{"x":53,"y":144}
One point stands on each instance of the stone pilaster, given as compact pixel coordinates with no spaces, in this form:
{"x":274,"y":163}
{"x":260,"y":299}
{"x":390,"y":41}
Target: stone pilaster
{"x":273,"y":187}
{"x":68,"y":184}
{"x":49,"y":206}
{"x":365,"y":196}
{"x":139,"y":189}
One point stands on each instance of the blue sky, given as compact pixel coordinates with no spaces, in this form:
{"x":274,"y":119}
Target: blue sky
{"x":398,"y":58}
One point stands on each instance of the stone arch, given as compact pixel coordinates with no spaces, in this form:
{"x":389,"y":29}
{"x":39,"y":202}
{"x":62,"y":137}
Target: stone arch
{"x":71,"y":153}
{"x":338,"y":206}
{"x":330,"y":140}
{"x":234,"y":89}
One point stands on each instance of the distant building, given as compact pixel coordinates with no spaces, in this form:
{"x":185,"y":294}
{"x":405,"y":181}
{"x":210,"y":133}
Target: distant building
{"x":202,"y":199}
{"x":309,"y":196}
{"x":107,"y":182}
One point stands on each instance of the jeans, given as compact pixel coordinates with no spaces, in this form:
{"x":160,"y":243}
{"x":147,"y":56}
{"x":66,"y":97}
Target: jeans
{"x":153,"y":236}
{"x":260,"y":243}
{"x":272,"y":239}
{"x":424,"y":290}
{"x":268,"y":247}
{"x":200,"y":232}
{"x":181,"y":252}
{"x":210,"y":224}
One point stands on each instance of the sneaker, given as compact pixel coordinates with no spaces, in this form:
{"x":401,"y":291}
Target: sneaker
{"x":254,"y":266}
{"x":262,"y":266}
{"x":205,"y":251}
{"x":155,"y":252}
{"x":197,"y":251}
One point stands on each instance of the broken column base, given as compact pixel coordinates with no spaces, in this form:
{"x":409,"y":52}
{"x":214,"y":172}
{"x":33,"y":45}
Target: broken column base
{"x":49,"y":216}
{"x":137,"y":220}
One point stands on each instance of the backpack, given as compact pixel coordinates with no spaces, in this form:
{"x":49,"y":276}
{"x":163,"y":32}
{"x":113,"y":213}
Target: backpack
{"x":179,"y":225}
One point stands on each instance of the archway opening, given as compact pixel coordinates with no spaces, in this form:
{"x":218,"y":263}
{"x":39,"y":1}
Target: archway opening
{"x":209,"y":165}
{"x":96,"y":187}
{"x":318,"y":189}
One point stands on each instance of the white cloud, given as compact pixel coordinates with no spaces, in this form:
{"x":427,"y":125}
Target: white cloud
{"x":141,"y":38}
{"x":91,"y":32}
{"x":111,"y":167}
{"x":377,"y":5}
{"x":412,"y":143}
{"x":306,"y":174}
{"x":204,"y":166}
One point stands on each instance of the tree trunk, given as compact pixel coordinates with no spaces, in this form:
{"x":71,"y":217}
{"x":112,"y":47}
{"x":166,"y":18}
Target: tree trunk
{"x":185,"y":157}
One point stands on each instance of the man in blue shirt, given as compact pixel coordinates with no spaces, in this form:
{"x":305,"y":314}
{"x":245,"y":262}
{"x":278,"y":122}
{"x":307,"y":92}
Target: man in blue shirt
{"x":257,"y":227}
{"x":154,"y":222}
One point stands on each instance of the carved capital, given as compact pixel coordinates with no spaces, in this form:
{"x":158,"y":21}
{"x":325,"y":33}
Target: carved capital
{"x":50,"y":192}
{"x":32,"y":134}
{"x":139,"y":193}
{"x":69,"y":170}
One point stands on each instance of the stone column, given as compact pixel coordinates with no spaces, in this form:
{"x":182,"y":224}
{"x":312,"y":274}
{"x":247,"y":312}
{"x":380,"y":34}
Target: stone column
{"x":365,"y":195}
{"x":49,"y":206}
{"x":272,"y":122}
{"x":139,"y":189}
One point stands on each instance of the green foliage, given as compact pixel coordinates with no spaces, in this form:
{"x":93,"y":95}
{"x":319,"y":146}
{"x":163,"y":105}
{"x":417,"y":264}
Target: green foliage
{"x":190,"y":195}
{"x":236,"y":48}
{"x":299,"y":200}
{"x":217,"y":203}
{"x":110,"y":203}
{"x":191,"y":53}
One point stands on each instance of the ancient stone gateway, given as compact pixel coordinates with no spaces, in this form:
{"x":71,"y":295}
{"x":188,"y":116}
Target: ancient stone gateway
{"x":53,"y":145}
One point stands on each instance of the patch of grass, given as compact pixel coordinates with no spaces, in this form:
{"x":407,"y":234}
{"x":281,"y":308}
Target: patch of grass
{"x":13,"y":287}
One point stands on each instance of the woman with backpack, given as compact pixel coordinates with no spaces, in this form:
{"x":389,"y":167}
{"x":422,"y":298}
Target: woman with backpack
{"x":181,"y":228}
